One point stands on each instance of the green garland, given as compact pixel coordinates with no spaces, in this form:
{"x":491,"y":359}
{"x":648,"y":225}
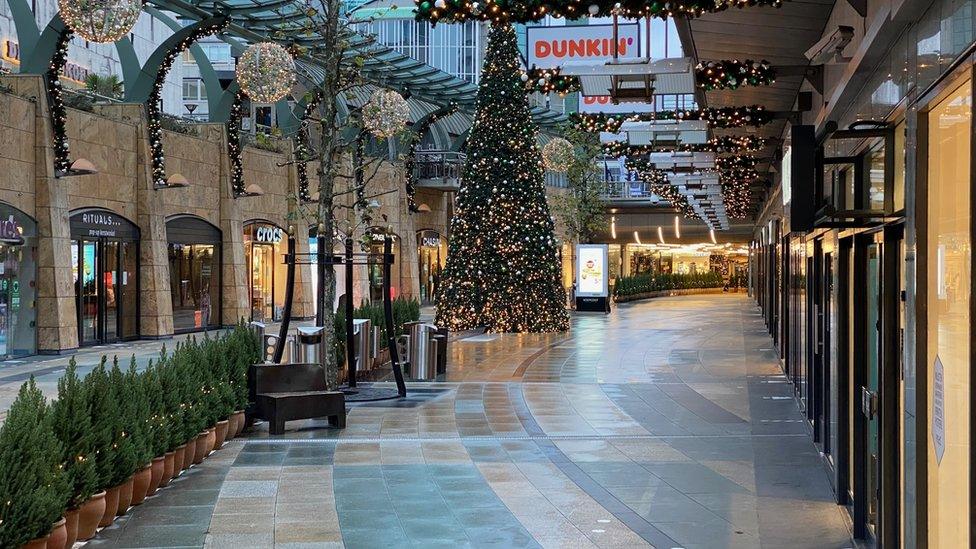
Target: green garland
{"x":720,"y":145}
{"x":716,"y":117}
{"x":731,"y":74}
{"x":526,"y":11}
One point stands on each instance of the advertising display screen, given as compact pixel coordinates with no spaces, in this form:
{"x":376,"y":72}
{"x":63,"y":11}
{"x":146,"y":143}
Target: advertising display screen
{"x":591,"y":270}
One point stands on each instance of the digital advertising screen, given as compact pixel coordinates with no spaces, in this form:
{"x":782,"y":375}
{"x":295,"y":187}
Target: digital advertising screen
{"x":591,"y":270}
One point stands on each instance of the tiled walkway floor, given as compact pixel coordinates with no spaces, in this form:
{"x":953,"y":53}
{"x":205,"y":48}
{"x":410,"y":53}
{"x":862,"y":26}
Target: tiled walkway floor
{"x":666,"y":424}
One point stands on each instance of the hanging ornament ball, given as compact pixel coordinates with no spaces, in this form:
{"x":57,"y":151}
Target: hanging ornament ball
{"x":266,"y":72}
{"x":101,"y":21}
{"x":557,"y":155}
{"x":386,"y":113}
{"x":594,"y":9}
{"x":524,"y":77}
{"x":440,"y":4}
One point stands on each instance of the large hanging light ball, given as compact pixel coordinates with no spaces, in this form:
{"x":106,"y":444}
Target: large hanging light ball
{"x":386,"y":113}
{"x":266,"y":72}
{"x":101,"y":21}
{"x":557,"y":155}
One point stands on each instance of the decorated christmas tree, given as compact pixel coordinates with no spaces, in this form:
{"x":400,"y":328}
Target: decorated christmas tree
{"x":502,"y":267}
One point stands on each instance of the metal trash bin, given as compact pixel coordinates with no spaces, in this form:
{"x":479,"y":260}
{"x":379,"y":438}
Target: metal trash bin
{"x":257,"y":332}
{"x":311,"y":345}
{"x":362,"y":336}
{"x":420,"y":350}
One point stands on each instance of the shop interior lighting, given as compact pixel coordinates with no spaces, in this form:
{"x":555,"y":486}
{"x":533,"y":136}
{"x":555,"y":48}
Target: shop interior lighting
{"x":660,"y":234}
{"x":613,"y":227}
{"x":677,"y":226}
{"x":637,"y":238}
{"x":711,"y":234}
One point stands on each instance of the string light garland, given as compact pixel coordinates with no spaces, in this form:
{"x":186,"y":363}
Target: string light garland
{"x":659,"y":184}
{"x":386,"y":113}
{"x":234,"y":150}
{"x":736,"y":162}
{"x":303,"y":147}
{"x":526,"y":11}
{"x":716,"y":117}
{"x":720,"y":145}
{"x":731,"y":74}
{"x":736,"y":195}
{"x":266,"y":72}
{"x":153,"y":114}
{"x":550,"y":81}
{"x":557,"y":155}
{"x":55,"y":99}
{"x":101,"y":21}
{"x":502,"y":268}
{"x":710,"y":75}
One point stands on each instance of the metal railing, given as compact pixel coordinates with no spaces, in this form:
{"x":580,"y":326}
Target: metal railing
{"x":626,"y":190}
{"x":440,"y":165}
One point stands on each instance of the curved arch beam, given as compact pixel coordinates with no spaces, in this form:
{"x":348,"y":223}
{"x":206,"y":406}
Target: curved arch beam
{"x":42,"y":52}
{"x":25,"y":25}
{"x":140,"y":90}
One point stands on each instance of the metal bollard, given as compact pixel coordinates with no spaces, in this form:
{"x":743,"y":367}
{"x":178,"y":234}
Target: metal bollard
{"x":375,"y":350}
{"x":362,"y":331}
{"x":431,"y":370}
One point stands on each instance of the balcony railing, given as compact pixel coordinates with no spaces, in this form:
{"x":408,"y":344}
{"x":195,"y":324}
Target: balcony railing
{"x":438,"y":169}
{"x":626,"y":190}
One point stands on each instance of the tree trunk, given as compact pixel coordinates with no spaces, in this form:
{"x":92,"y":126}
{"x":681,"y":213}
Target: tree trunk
{"x":325,"y":315}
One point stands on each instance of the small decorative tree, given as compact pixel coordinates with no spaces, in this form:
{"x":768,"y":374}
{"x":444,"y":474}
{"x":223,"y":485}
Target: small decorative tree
{"x":158,"y":424}
{"x":72,"y":422}
{"x":125,"y":458}
{"x":33,"y":488}
{"x":104,"y":416}
{"x":139,"y":415}
{"x":581,"y":210}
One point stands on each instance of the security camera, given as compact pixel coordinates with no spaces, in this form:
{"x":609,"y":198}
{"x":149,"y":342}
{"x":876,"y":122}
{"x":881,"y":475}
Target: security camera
{"x":831,"y":46}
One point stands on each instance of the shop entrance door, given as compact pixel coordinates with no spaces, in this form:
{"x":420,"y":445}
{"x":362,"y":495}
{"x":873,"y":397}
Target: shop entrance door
{"x":105,"y":289}
{"x":262,"y":283}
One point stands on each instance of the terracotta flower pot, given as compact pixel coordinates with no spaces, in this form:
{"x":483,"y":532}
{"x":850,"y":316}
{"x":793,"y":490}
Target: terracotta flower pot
{"x":58,"y":537}
{"x":71,"y":527}
{"x":210,"y":441}
{"x":125,"y":497}
{"x":169,"y":467}
{"x":179,"y":460}
{"x":39,"y":543}
{"x":156,"y":469}
{"x":201,"y":449}
{"x":140,"y":484}
{"x":239,"y":419}
{"x":111,"y":506}
{"x":89,"y":514}
{"x":221,"y":433}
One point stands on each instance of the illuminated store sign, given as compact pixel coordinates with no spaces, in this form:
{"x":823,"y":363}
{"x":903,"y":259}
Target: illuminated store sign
{"x":268,"y":234}
{"x":550,"y":47}
{"x":71,"y":71}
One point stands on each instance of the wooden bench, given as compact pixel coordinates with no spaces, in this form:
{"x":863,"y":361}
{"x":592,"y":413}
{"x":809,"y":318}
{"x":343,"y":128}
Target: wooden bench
{"x":285,"y":392}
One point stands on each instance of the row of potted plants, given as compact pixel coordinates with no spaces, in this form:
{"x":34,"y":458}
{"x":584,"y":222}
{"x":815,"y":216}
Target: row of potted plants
{"x":115,"y":437}
{"x":645,"y":283}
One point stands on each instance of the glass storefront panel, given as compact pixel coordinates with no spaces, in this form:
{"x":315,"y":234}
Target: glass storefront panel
{"x":432,"y":253}
{"x":194,"y":285}
{"x":948,"y":334}
{"x":18,"y":271}
{"x":264,"y":250}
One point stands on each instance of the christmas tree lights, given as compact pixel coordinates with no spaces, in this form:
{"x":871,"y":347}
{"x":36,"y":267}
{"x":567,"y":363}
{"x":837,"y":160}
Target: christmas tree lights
{"x":502,"y":267}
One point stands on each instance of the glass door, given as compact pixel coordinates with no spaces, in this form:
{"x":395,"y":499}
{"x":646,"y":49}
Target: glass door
{"x":128,"y":275}
{"x":262,"y":283}
{"x":111,"y":286}
{"x":88,"y":291}
{"x":870,"y":391}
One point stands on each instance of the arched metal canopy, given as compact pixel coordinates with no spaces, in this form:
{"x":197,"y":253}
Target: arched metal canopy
{"x":285,"y":21}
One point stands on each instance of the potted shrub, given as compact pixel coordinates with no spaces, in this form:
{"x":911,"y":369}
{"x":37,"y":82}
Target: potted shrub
{"x":223,"y":393}
{"x":126,"y":460}
{"x":32,"y":485}
{"x":104,"y":417}
{"x":71,"y":421}
{"x":157,"y":433}
{"x":139,"y":429}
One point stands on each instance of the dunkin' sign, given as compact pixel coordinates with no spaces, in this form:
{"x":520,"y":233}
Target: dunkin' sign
{"x":553,"y":46}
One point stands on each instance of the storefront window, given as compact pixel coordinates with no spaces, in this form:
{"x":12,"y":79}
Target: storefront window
{"x":18,"y":269}
{"x":194,"y":273}
{"x":432,"y":253}
{"x":264,"y":248}
{"x":949,"y":253}
{"x":105,"y":264}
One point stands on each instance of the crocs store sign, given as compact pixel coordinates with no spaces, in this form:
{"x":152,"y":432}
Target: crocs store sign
{"x":550,"y":47}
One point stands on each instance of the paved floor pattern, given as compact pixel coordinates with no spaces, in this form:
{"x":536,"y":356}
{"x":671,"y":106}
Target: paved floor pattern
{"x":666,"y":424}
